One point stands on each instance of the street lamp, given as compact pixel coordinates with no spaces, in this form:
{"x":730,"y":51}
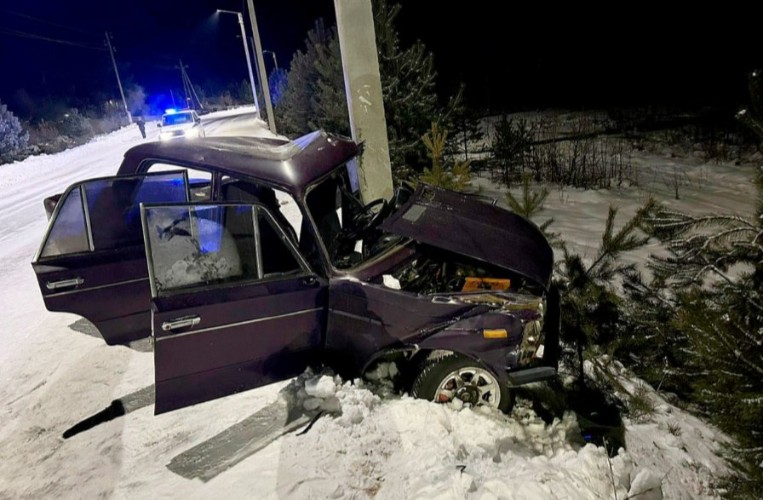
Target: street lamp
{"x":246,"y":53}
{"x":261,"y":66}
{"x":275,"y":61}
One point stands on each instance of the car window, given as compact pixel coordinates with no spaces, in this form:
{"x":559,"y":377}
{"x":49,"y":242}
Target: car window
{"x":68,"y":233}
{"x":194,"y":246}
{"x":199,"y":181}
{"x":280,"y":203}
{"x":104,"y":214}
{"x":198,"y":245}
{"x":277,"y":255}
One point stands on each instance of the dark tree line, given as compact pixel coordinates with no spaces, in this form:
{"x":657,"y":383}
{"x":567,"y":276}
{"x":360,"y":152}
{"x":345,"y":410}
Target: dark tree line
{"x":314,"y":94}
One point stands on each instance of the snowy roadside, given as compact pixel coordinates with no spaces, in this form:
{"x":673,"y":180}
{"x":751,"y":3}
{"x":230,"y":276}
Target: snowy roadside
{"x":384,"y":446}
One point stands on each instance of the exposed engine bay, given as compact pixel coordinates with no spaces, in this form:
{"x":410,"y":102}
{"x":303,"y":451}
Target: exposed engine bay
{"x":450,"y":277}
{"x":433,"y":271}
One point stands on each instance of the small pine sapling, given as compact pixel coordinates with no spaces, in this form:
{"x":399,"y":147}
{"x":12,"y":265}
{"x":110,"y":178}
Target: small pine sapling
{"x":457,"y":177}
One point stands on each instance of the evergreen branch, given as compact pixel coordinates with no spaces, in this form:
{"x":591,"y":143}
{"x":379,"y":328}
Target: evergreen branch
{"x":734,"y":350}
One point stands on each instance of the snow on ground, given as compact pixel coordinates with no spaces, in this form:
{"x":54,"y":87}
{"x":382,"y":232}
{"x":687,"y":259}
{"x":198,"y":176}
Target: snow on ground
{"x":365,"y":443}
{"x":580,"y":215}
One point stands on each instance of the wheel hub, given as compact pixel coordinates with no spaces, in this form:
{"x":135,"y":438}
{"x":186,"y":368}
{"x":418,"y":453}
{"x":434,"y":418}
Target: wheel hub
{"x":469,"y":394}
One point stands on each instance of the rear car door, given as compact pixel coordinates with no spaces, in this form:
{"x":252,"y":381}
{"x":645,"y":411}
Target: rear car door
{"x":234,"y":305}
{"x":92,"y":261}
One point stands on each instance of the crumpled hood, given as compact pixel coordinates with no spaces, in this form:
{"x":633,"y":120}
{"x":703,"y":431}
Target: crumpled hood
{"x":468,"y":226}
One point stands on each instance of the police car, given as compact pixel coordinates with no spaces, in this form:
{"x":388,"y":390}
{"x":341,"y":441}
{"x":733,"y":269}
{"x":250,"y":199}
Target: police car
{"x":176,"y":124}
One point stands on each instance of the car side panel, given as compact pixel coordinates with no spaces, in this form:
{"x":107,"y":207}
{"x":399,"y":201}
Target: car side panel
{"x":246,"y":337}
{"x":113,"y":292}
{"x":365,"y":318}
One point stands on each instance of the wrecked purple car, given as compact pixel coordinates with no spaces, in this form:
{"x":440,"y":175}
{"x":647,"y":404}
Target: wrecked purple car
{"x":245,"y":260}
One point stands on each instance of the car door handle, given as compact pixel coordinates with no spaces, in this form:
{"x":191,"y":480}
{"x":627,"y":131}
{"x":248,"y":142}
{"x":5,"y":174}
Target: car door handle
{"x":58,"y":285}
{"x":178,"y":323}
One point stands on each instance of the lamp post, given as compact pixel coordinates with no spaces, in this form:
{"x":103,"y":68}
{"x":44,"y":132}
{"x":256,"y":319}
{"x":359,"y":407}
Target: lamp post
{"x":261,"y":66}
{"x":246,"y":53}
{"x":275,"y":61}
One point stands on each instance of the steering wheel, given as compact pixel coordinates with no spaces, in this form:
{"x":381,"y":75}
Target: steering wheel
{"x":367,"y":215}
{"x":365,"y":220}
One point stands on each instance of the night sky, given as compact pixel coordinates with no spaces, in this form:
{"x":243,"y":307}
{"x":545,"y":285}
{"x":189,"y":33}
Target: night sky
{"x":524,"y":59}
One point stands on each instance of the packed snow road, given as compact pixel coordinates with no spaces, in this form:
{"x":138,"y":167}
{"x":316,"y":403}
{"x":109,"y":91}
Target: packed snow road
{"x":363,"y":444}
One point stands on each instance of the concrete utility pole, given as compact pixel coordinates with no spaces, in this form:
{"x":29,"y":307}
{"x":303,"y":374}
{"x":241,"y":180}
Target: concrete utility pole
{"x":119,"y":82}
{"x":362,"y":82}
{"x":261,"y":66}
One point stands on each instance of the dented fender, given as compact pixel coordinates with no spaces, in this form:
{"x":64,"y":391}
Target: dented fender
{"x":479,"y":338}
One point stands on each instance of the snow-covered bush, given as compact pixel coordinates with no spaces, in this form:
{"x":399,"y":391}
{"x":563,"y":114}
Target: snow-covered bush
{"x":44,"y":137}
{"x":76,"y":126}
{"x":13,"y":138}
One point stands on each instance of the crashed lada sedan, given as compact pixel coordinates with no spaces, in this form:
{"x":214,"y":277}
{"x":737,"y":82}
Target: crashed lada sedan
{"x":246,"y":260}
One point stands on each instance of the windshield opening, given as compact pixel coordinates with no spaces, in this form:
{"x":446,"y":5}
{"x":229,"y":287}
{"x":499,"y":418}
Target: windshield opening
{"x":348,"y":228}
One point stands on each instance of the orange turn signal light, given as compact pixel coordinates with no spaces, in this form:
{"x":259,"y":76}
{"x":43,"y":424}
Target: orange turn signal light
{"x":499,"y":333}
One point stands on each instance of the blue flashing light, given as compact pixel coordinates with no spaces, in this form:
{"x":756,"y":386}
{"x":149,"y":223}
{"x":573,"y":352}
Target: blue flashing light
{"x":170,"y":111}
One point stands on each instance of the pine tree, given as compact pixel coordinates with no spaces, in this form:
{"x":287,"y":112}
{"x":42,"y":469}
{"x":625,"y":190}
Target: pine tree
{"x":408,"y":84}
{"x":715,"y":270}
{"x":592,"y":314}
{"x":702,"y":313}
{"x":13,"y":138}
{"x":314,"y":96}
{"x":329,"y":101}
{"x":456,"y":176}
{"x":509,"y":144}
{"x":529,"y":205}
{"x":467,"y":132}
{"x":277,"y":81}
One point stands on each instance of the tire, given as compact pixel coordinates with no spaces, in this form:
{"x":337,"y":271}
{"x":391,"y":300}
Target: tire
{"x":438,"y":376}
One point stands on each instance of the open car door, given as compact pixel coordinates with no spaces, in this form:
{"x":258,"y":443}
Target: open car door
{"x":234,"y":306}
{"x":92,"y":261}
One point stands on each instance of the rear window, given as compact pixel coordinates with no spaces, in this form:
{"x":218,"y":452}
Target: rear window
{"x":199,"y":181}
{"x":69,"y":233}
{"x":104,"y":214}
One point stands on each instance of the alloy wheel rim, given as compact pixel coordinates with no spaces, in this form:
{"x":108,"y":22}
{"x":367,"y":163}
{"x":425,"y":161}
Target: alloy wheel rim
{"x":471,"y":385}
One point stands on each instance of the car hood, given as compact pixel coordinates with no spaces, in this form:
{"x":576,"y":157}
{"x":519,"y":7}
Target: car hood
{"x":466,"y":225}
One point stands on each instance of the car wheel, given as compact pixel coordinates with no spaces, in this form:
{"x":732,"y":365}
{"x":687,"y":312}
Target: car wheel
{"x":456,"y":377}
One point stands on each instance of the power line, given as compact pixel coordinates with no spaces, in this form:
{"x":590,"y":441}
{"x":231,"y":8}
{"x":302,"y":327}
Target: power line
{"x":22,"y":34}
{"x":27,"y":16}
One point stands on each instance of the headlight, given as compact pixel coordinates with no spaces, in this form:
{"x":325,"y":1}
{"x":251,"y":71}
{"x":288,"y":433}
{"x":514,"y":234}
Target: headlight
{"x":532,"y":341}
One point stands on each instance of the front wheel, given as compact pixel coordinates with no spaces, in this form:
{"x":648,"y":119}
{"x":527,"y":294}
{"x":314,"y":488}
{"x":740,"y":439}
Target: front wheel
{"x":456,"y":377}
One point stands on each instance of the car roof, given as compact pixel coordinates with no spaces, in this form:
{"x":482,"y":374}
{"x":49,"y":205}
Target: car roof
{"x":292,"y":165}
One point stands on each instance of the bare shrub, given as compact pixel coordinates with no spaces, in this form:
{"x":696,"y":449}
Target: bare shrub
{"x":45,"y":137}
{"x":572,"y":152}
